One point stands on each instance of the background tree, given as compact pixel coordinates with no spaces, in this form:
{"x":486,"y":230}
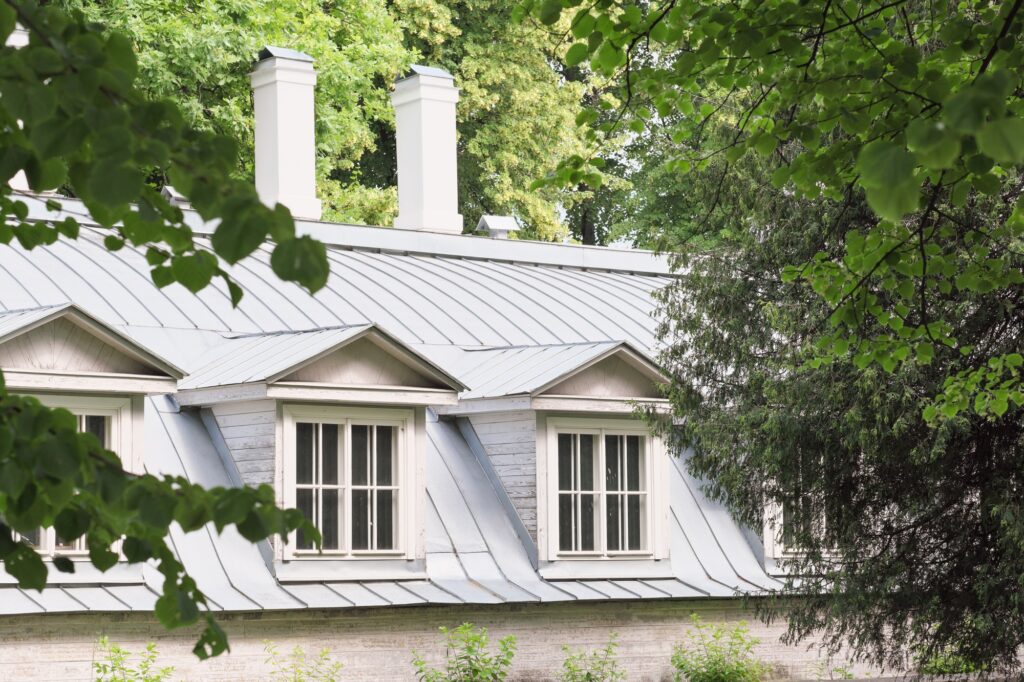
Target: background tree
{"x":515,"y":116}
{"x":845,"y":335}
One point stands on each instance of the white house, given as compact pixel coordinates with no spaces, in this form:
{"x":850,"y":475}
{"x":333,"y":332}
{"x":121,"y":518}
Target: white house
{"x":454,"y":412}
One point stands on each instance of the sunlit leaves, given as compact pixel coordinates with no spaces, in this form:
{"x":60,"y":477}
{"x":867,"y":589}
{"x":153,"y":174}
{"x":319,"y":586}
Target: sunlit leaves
{"x":85,"y":124}
{"x":914,"y":109}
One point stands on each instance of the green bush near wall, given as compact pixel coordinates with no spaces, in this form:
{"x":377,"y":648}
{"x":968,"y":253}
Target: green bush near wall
{"x":716,"y":653}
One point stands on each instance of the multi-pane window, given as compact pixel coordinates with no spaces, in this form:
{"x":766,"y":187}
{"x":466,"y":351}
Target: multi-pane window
{"x":347,"y":483}
{"x":602,"y":492}
{"x":45,"y":539}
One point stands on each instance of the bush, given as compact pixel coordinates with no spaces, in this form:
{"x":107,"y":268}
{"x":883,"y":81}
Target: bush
{"x":115,"y":667}
{"x":595,"y":666}
{"x":714,"y":653}
{"x":296,"y":667}
{"x":947,"y":663}
{"x":467,"y":658}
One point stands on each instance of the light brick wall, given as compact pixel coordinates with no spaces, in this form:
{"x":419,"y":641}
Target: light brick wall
{"x":377,"y":644}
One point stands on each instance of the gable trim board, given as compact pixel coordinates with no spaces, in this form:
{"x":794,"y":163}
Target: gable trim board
{"x":79,"y":354}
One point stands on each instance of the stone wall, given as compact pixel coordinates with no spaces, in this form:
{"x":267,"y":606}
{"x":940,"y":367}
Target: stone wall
{"x":377,"y":644}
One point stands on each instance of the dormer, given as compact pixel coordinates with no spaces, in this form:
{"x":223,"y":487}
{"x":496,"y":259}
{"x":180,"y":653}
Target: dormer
{"x":335,"y":420}
{"x":584,"y":475}
{"x":67,"y":358}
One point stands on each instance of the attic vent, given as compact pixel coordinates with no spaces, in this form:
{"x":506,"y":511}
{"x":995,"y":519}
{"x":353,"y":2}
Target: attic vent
{"x":497,"y":226}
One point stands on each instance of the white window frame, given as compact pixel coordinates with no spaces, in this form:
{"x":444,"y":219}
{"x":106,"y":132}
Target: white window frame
{"x":655,"y":484}
{"x":406,"y":475}
{"x":125,"y":430}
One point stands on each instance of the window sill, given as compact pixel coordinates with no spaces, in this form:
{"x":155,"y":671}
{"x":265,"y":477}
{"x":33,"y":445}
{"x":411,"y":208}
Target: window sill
{"x":120,"y":573}
{"x":318,"y":567}
{"x":616,"y":567}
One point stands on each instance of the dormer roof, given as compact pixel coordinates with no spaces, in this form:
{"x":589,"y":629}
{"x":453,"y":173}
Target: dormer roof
{"x":329,"y":363}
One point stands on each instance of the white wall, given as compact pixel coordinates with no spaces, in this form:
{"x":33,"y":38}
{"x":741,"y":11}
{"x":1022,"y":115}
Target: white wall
{"x":377,"y":644}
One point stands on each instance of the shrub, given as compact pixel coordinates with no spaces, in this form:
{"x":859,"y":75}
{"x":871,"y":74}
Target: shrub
{"x":946,"y":663}
{"x":467,"y":658}
{"x":116,"y":668}
{"x":599,"y":665}
{"x":297,"y":667}
{"x":714,"y":653}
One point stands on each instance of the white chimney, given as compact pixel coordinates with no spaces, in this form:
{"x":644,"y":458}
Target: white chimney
{"x":428,"y":182}
{"x":282,"y":89}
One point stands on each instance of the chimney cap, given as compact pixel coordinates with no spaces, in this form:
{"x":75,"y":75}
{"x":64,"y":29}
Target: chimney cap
{"x":270,"y":52}
{"x":420,"y":70}
{"x":497,"y":226}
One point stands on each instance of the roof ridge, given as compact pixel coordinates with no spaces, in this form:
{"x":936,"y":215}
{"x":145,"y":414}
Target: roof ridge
{"x":543,"y":345}
{"x":283,"y":332}
{"x":33,"y":309}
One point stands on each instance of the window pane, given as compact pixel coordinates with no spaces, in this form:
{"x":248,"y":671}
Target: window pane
{"x":304,"y":502}
{"x":635,"y":521}
{"x":587,"y":461}
{"x":588,"y":521}
{"x":385,"y":454}
{"x":360,"y":519}
{"x":329,"y":453}
{"x":97,"y":426}
{"x":613,"y":517}
{"x":565,"y":518}
{"x":634,"y":465}
{"x":385,"y":519}
{"x":330,"y":526}
{"x":565,"y":461}
{"x":360,"y":454}
{"x":304,"y":453}
{"x":33,"y":538}
{"x":613,"y":462}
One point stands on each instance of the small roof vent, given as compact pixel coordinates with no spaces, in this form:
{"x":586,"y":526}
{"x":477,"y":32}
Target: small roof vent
{"x":497,"y":226}
{"x":174,"y":197}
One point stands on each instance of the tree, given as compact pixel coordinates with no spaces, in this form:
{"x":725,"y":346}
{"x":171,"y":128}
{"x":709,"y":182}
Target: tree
{"x":516,"y":113}
{"x":199,"y":55}
{"x":844,"y":337}
{"x":72,"y":116}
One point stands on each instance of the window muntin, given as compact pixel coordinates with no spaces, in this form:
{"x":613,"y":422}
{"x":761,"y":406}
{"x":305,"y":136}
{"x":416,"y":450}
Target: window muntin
{"x":602,"y":492}
{"x":100,"y":423}
{"x":346,"y":475}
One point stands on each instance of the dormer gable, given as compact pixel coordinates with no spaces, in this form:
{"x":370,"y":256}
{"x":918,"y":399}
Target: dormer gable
{"x":65,"y":348}
{"x":604,"y":376}
{"x":354,"y":364}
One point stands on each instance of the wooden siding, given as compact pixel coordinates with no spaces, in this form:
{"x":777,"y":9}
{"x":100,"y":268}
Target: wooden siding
{"x":510,"y":439}
{"x":362,"y":362}
{"x":378,"y":644}
{"x":61,"y":345}
{"x":249,"y":430}
{"x":612,"y":377}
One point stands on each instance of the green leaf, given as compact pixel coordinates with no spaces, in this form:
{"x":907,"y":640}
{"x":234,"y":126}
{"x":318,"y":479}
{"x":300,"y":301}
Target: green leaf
{"x":1002,"y":140}
{"x":576,"y":54}
{"x":63,"y":564}
{"x":302,"y":260}
{"x":884,"y":164}
{"x":235,"y":238}
{"x":892,"y":202}
{"x":550,"y":11}
{"x":195,"y":270}
{"x":114,"y":184}
{"x":934,"y":145}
